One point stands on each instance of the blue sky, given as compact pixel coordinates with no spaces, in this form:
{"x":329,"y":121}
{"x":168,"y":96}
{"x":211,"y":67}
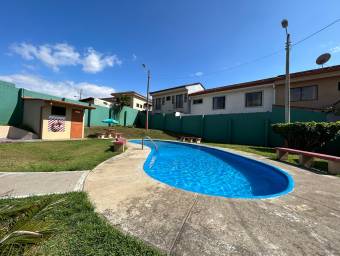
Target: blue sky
{"x":99,"y":46}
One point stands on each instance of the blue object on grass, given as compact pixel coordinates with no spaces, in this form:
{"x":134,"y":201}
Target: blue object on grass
{"x":110,"y":121}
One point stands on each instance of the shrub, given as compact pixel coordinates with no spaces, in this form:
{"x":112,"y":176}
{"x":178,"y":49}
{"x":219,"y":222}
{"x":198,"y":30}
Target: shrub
{"x":307,"y":135}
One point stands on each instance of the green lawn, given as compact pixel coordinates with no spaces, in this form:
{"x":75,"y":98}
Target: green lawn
{"x":133,"y":133}
{"x":69,"y":226}
{"x":54,"y":155}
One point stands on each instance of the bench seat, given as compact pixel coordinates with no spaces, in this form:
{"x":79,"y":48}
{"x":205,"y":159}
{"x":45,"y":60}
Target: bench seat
{"x":191,"y":139}
{"x":306,"y":158}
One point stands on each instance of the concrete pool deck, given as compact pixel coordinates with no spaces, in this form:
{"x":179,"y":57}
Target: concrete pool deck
{"x":304,"y":222}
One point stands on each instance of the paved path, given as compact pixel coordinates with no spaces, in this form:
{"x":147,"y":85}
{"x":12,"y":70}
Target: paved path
{"x":304,"y":222}
{"x":23,"y":184}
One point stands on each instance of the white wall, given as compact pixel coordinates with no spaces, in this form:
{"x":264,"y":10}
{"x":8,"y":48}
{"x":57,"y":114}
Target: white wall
{"x":168,"y":107}
{"x":234,"y":102}
{"x":140,"y":103}
{"x":102,"y":103}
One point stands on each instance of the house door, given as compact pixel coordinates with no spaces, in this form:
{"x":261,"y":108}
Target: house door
{"x":77,"y":124}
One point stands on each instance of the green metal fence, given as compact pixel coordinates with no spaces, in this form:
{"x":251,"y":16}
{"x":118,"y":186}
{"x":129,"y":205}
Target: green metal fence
{"x":11,"y":107}
{"x":246,"y":128}
{"x":128,"y":116}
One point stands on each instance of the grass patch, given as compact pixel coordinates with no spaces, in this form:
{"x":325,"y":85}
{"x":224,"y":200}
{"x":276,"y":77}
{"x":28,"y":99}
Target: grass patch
{"x":132,"y":133}
{"x":54,"y":155}
{"x":76,"y":228}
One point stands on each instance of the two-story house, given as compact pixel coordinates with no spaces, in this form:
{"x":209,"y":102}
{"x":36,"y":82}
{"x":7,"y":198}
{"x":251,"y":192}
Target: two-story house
{"x":174,"y":99}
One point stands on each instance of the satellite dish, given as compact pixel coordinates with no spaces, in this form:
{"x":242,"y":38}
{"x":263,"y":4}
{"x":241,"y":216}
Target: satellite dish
{"x":323,"y":58}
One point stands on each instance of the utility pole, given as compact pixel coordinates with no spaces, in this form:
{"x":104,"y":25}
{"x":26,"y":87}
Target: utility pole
{"x":284,"y":24}
{"x":147,"y":98}
{"x":80,"y":93}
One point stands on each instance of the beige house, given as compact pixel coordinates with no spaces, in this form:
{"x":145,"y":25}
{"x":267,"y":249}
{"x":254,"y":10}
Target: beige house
{"x":54,"y":119}
{"x":136,"y":100}
{"x":313,"y":89}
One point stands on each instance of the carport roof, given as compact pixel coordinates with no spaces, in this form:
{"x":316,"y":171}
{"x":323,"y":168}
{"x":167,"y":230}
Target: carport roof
{"x":60,"y":102}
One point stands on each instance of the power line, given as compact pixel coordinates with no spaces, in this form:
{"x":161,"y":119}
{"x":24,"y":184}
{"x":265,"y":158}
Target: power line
{"x":256,"y":59}
{"x":317,"y":32}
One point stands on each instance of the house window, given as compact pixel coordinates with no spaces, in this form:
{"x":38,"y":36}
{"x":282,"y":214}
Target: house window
{"x":137,"y":105}
{"x":197,"y":101}
{"x":173,"y":99}
{"x":158,"y":104}
{"x":254,"y":99}
{"x":219,"y":102}
{"x":179,"y":101}
{"x":304,"y":93}
{"x":185,"y":97}
{"x":163,"y":100}
{"x":58,"y":111}
{"x":168,"y":98}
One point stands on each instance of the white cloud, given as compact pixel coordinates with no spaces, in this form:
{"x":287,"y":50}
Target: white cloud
{"x":67,"y":89}
{"x":335,"y":49}
{"x":63,"y":54}
{"x":134,"y":57}
{"x":94,"y":61}
{"x":198,"y":74}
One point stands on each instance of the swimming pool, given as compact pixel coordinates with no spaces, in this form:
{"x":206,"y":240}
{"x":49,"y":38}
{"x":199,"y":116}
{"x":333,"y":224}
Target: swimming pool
{"x":214,"y":172}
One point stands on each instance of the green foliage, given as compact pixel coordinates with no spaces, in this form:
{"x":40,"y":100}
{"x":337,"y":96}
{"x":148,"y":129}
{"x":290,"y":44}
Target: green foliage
{"x":80,"y":231}
{"x":24,"y":225}
{"x":307,"y":135}
{"x":123,"y":100}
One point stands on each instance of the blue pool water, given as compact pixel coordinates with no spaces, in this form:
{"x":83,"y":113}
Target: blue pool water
{"x":214,"y":172}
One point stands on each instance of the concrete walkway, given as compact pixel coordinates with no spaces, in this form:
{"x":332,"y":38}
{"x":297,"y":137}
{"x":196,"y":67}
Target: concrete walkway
{"x":24,"y":184}
{"x":304,"y":222}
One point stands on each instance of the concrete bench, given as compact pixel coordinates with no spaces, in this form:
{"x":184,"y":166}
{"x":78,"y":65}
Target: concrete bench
{"x":100,"y":135}
{"x":191,"y":139}
{"x":306,"y":158}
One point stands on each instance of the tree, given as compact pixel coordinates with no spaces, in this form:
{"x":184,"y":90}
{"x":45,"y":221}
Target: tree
{"x":123,"y":101}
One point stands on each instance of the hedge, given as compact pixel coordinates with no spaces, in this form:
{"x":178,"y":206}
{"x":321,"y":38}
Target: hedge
{"x":307,"y":135}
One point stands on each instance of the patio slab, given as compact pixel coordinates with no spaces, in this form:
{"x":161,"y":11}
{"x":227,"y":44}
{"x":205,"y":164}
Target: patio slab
{"x":25,"y":184}
{"x":304,"y":222}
